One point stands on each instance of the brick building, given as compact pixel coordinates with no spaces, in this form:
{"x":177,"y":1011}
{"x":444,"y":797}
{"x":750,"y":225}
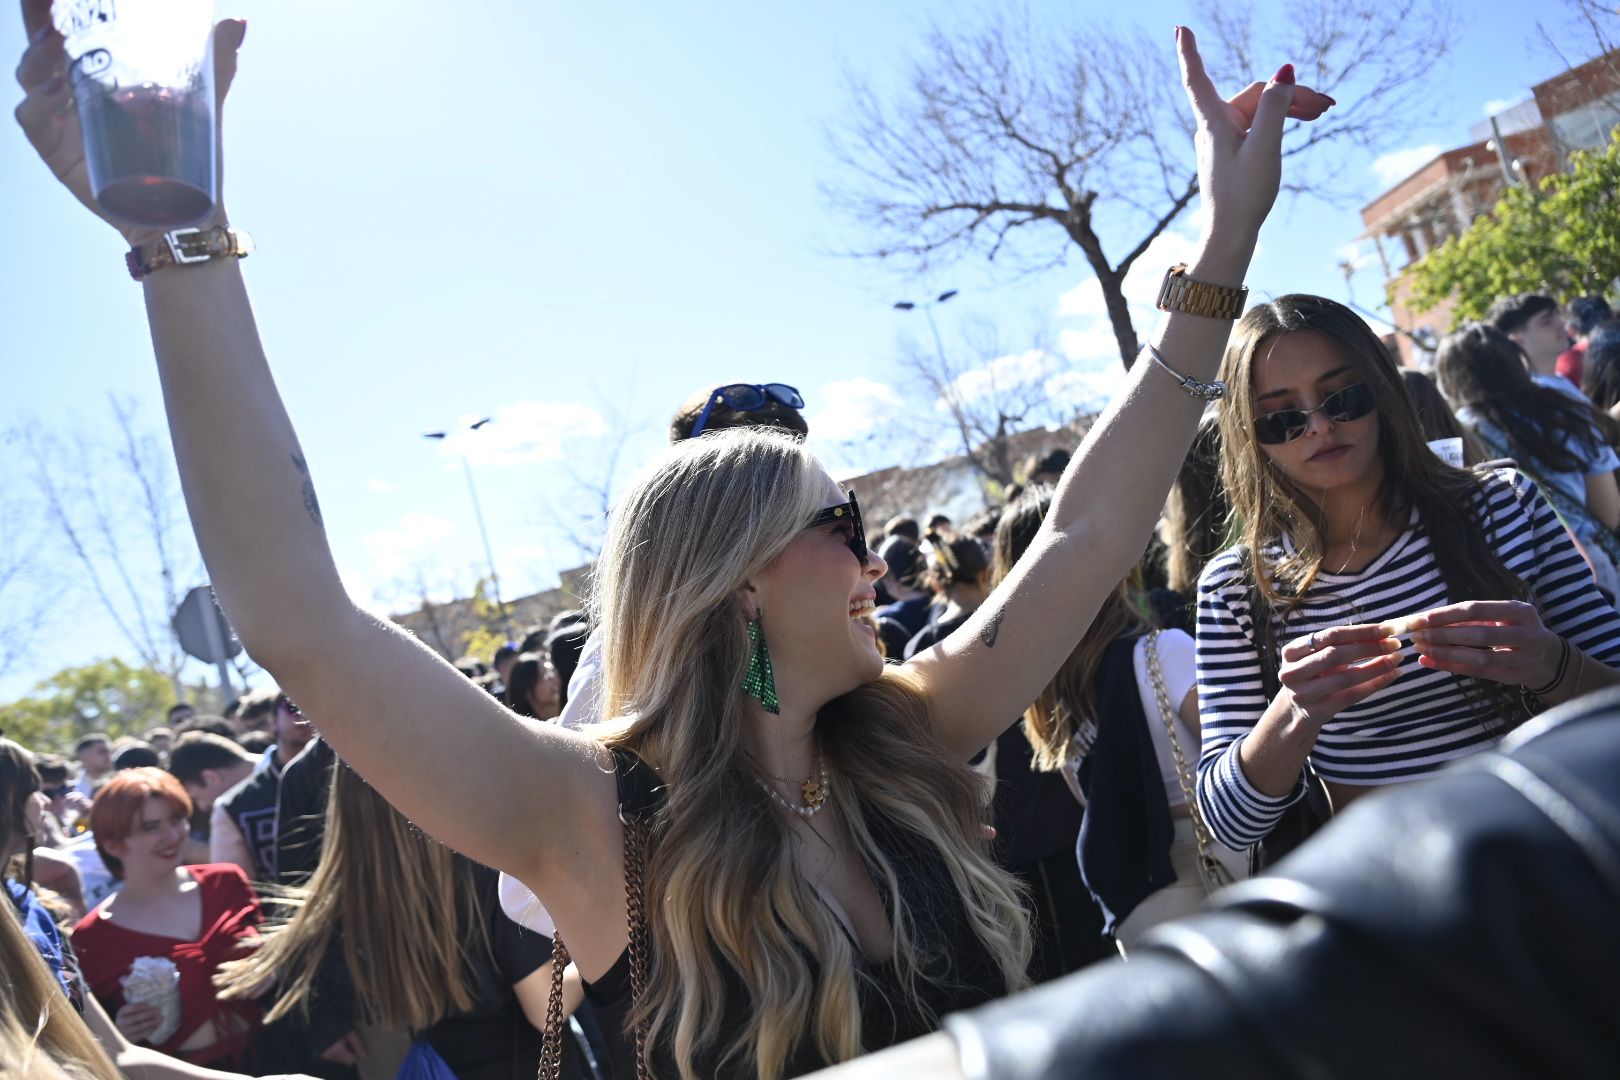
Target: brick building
{"x":1572,"y":111}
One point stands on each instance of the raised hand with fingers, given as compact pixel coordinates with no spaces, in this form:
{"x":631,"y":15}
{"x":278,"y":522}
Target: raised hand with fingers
{"x":1500,"y":640}
{"x":1240,"y":138}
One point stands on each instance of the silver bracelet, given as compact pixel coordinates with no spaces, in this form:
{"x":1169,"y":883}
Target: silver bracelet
{"x":1204,"y":391}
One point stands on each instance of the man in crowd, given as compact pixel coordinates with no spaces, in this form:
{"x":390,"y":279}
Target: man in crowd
{"x":1586,"y":314}
{"x":255,"y":712}
{"x":207,"y":766}
{"x":244,"y":824}
{"x":1533,"y":321}
{"x":94,"y":752}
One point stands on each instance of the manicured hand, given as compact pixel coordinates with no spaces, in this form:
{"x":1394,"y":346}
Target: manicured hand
{"x":1240,"y":138}
{"x":137,"y":1020}
{"x":1500,"y":640}
{"x":50,"y":120}
{"x":1329,"y":671}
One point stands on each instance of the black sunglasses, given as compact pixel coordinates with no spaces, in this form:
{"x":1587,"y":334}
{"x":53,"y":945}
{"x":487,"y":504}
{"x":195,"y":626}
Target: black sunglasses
{"x":747,"y":397}
{"x":1341,"y":406}
{"x":850,"y":512}
{"x":56,"y":792}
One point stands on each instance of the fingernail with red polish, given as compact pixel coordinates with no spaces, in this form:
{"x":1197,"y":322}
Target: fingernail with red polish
{"x":1285,"y":75}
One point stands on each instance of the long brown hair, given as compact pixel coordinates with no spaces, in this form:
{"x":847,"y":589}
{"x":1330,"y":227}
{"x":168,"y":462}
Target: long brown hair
{"x":701,"y":520}
{"x":394,"y":894}
{"x":1070,"y":699}
{"x":1446,"y":500}
{"x":1196,"y":516}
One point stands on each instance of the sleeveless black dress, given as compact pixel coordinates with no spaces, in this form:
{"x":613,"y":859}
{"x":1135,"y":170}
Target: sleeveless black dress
{"x":957,"y":971}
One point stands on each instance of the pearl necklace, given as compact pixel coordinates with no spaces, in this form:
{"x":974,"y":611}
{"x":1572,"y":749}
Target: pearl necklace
{"x":815,"y":795}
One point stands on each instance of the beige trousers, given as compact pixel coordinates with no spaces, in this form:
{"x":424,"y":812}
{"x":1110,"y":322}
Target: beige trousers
{"x":1181,"y":898}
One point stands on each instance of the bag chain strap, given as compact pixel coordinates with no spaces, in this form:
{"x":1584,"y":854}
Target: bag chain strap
{"x":635,"y":849}
{"x":1215,"y":875}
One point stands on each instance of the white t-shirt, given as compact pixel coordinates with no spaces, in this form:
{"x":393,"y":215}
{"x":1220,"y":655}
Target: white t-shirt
{"x":97,"y":881}
{"x":1178,"y":661}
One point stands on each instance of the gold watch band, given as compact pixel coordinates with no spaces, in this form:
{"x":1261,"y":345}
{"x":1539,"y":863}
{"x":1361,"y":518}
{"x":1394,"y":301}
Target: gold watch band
{"x":1182,"y":293}
{"x":187,"y":247}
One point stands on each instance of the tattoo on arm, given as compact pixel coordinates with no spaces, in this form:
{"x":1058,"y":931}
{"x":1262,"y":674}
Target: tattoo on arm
{"x":991,"y":628}
{"x":311,"y":504}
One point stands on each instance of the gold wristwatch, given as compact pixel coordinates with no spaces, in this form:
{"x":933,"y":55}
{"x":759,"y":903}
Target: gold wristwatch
{"x":1182,"y":293}
{"x":187,"y":247}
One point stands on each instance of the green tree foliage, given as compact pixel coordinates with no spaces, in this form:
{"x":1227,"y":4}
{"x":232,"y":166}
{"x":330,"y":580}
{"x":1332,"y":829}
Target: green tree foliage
{"x":1561,"y":238}
{"x":107,"y":695}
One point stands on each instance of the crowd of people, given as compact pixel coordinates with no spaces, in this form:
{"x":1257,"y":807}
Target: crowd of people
{"x":788,"y":791}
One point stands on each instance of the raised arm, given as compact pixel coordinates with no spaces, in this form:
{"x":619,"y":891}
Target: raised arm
{"x":441,"y":750}
{"x":981,"y":678}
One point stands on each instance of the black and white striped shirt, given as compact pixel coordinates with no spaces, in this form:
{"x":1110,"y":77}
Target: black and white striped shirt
{"x":1421,"y":721}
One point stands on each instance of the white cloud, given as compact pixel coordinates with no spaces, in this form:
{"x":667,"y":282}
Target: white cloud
{"x":854,"y":408}
{"x":1141,"y":286}
{"x":1397,"y":165}
{"x":394,"y":553}
{"x":1499,"y":105}
{"x":524,"y":432}
{"x":1094,"y":342}
{"x":381,"y":487}
{"x":1003,"y":373}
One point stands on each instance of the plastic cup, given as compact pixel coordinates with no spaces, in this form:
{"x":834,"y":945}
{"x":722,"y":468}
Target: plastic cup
{"x":143,"y":78}
{"x":1449,"y":451}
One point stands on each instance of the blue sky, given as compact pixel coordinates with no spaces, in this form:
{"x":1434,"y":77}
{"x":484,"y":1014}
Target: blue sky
{"x":570,"y":218}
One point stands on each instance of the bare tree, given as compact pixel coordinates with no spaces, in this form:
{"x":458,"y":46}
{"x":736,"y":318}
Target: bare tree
{"x":28,"y":593}
{"x":116,"y":507}
{"x":1593,"y":31}
{"x":1010,"y":135}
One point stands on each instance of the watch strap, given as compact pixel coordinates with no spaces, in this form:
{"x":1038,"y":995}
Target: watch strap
{"x":1182,"y":293}
{"x":188,"y":247}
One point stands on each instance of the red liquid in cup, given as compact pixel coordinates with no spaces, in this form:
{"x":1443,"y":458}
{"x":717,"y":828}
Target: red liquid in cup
{"x":150,"y":152}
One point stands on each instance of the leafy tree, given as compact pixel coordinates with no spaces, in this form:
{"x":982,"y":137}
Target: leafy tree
{"x":107,"y":695}
{"x":1028,"y":142}
{"x":1561,"y":237}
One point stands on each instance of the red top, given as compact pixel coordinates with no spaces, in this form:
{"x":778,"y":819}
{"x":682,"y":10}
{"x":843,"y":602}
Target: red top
{"x":230,"y":912}
{"x":1572,"y":362}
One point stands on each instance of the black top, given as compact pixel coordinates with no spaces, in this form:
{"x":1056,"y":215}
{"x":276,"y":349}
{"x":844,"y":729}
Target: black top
{"x":301,"y":825}
{"x":252,"y":805}
{"x":936,"y":631}
{"x":957,"y":971}
{"x":493,"y":1041}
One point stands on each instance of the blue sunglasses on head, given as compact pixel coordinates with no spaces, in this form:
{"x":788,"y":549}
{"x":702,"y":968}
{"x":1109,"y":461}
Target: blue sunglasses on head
{"x":747,"y":397}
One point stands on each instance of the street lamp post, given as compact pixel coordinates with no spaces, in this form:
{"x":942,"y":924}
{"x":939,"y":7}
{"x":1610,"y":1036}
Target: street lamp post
{"x":478,"y":516}
{"x":928,"y":311}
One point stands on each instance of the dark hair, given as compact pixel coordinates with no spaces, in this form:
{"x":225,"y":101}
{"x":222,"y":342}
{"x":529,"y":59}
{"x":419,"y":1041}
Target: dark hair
{"x":1435,"y":416}
{"x":1511,"y":313}
{"x":772,"y":414}
{"x":1053,"y":461}
{"x":1587,"y":313}
{"x":472,"y":667}
{"x":937,"y":520}
{"x":257,"y":742}
{"x":1196,"y":512}
{"x":1602,"y":379}
{"x":983,"y":524}
{"x":508,"y":651}
{"x":154,"y":734}
{"x":1482,"y":369}
{"x":93,"y":739}
{"x":257,"y":704}
{"x":18,"y":782}
{"x":565,"y":643}
{"x":179,"y":706}
{"x":197,"y":751}
{"x":534,"y":639}
{"x":53,"y":771}
{"x":1269,"y":505}
{"x":206,"y":723}
{"x":955,"y":562}
{"x":900,"y":525}
{"x":524,"y":677}
{"x":905,"y":561}
{"x":136,"y":755}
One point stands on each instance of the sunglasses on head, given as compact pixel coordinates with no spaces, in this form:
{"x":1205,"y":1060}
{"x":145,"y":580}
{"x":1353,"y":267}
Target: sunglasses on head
{"x":747,"y":397}
{"x":850,"y":512}
{"x":1285,"y":425}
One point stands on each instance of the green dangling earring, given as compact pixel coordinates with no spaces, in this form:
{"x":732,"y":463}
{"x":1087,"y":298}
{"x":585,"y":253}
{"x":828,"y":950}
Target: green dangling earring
{"x":760,"y":682}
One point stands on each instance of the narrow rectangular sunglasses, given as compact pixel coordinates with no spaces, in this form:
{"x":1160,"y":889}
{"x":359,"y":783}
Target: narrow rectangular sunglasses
{"x":849,"y":511}
{"x":1342,"y":406}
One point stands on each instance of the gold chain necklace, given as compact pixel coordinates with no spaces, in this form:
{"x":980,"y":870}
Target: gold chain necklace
{"x":813,"y":790}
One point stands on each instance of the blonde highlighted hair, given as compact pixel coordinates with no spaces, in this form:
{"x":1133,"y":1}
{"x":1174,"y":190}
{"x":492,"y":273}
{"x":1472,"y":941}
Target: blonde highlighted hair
{"x":721,"y":880}
{"x":38,"y":1025}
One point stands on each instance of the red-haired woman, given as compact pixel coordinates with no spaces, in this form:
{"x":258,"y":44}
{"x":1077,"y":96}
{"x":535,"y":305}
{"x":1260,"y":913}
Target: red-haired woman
{"x":193,"y":916}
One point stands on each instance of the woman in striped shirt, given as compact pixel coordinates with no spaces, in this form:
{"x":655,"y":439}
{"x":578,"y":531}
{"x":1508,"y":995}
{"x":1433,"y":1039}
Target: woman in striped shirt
{"x":1366,"y":541}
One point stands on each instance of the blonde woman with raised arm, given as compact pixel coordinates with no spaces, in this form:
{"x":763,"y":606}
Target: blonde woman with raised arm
{"x":808,"y":849}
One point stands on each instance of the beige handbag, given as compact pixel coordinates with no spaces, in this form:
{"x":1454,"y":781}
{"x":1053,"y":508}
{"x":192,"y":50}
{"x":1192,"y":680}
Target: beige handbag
{"x":1214,"y":873}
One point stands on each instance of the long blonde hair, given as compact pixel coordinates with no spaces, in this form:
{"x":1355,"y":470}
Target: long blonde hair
{"x":37,"y":1023}
{"x":1070,"y":699}
{"x":721,"y":880}
{"x":394,"y":893}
